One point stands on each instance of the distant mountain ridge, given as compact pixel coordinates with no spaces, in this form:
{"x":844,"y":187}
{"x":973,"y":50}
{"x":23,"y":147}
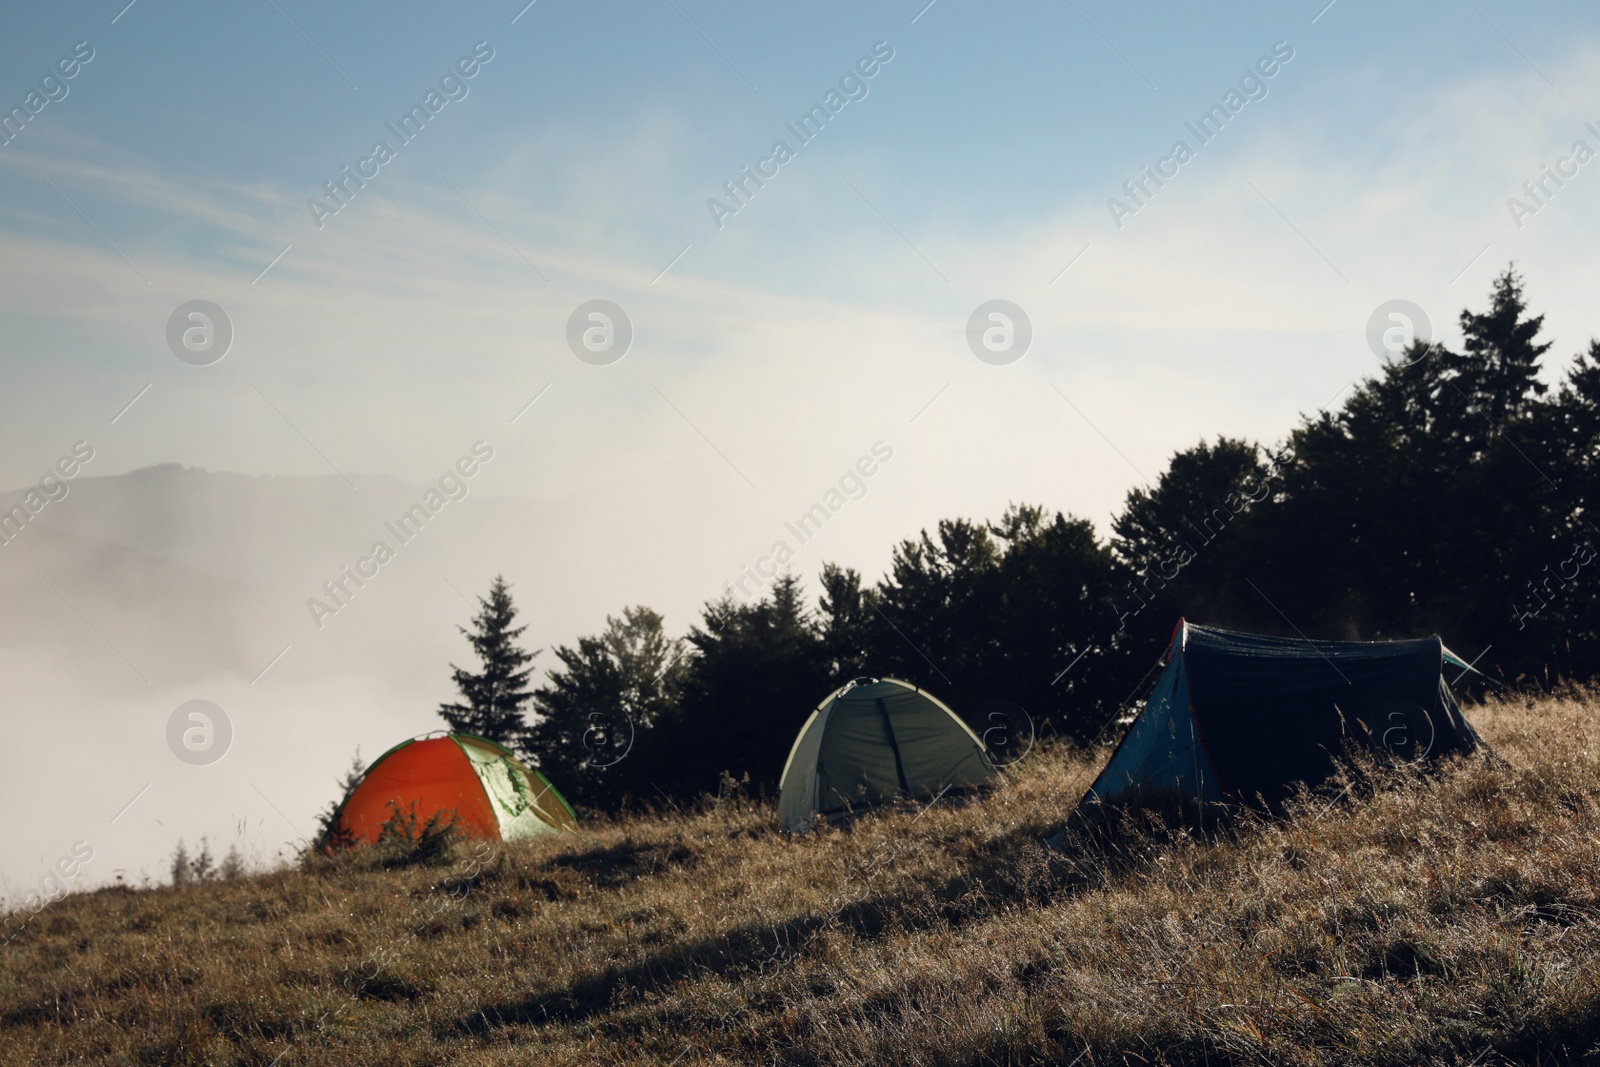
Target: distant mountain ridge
{"x":188,"y":572}
{"x":205,"y":518}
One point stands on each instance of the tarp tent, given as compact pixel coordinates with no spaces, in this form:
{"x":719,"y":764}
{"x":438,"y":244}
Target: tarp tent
{"x":1241,"y":718}
{"x":873,"y":741}
{"x":482,"y":784}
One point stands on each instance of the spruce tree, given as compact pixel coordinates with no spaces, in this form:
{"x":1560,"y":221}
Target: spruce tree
{"x":493,"y":698}
{"x":1501,"y":364}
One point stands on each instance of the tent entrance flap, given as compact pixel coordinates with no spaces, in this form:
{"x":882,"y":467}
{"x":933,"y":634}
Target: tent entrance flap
{"x":1163,"y":751}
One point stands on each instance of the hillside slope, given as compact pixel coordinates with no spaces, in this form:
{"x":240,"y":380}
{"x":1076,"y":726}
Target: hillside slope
{"x":1452,"y":919}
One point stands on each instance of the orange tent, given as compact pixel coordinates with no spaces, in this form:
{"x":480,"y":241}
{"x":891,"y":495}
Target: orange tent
{"x":488,"y":791}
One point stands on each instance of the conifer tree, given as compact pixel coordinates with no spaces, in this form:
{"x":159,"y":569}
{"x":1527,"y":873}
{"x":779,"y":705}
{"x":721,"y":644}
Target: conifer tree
{"x":1501,"y":363}
{"x":493,"y":698}
{"x":608,"y":696}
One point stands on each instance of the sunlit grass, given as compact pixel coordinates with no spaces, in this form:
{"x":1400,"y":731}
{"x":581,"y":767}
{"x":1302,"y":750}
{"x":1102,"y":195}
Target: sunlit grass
{"x":1432,"y":920}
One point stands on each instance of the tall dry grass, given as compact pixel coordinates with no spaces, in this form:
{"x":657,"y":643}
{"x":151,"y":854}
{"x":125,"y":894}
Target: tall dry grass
{"x":1447,"y":919}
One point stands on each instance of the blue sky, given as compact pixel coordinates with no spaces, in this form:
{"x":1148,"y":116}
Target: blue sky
{"x":623,"y":119}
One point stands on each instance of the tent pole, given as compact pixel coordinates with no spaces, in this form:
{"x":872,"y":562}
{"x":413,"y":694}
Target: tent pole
{"x":888,"y":728}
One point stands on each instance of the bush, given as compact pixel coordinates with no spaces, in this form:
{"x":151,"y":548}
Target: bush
{"x":402,"y":843}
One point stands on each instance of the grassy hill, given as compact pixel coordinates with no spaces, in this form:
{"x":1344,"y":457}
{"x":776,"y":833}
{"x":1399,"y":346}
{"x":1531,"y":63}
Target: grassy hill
{"x":1452,"y":919}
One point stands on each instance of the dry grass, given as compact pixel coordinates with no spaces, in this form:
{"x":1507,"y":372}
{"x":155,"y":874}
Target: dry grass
{"x":1451,"y":919}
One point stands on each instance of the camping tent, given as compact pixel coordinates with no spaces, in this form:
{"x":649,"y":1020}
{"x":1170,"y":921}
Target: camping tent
{"x":486,"y":788}
{"x":1241,"y":718}
{"x":872,"y":741}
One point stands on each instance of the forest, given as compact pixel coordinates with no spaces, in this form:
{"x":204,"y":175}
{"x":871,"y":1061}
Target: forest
{"x":1449,"y":492}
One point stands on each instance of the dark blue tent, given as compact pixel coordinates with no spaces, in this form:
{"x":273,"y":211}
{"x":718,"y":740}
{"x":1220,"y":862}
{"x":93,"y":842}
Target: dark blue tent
{"x":1243,"y":719}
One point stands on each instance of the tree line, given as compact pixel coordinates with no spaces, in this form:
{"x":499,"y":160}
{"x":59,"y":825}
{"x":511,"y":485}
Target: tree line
{"x":1449,"y":492}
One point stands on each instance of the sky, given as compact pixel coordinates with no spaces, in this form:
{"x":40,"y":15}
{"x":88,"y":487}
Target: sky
{"x":778,"y":336}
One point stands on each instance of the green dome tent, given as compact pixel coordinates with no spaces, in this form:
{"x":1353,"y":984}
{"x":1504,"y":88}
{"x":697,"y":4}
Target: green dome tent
{"x":874,"y":741}
{"x":1243,"y":719}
